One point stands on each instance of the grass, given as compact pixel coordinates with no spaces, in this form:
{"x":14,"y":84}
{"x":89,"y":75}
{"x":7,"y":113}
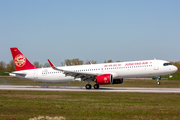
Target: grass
{"x":87,"y":106}
{"x":176,"y":76}
{"x":127,"y":83}
{"x":20,"y":105}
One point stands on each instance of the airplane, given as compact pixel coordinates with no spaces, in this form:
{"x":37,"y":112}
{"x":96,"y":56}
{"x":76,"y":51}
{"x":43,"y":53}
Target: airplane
{"x":101,"y":74}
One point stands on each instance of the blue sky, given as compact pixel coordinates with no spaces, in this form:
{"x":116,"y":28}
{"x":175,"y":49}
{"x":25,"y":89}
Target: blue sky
{"x":98,"y":30}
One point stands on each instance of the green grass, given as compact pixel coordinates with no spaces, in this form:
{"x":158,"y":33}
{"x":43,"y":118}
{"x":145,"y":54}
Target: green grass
{"x":127,"y":83}
{"x":176,"y":76}
{"x":88,"y":106}
{"x":20,"y":105}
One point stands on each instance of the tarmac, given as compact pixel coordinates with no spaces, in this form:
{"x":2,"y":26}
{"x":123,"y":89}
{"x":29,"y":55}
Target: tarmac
{"x":82,"y":89}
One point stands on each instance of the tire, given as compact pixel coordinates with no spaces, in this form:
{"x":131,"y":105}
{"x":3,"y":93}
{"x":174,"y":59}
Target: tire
{"x":96,"y":86}
{"x":88,"y":86}
{"x":158,"y":83}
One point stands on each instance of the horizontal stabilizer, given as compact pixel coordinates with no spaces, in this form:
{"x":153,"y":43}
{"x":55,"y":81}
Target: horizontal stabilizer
{"x":15,"y":73}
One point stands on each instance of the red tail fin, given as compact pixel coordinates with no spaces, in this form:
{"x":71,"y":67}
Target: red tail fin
{"x":20,"y":61}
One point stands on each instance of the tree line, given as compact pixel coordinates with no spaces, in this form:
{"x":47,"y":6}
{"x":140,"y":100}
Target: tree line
{"x":68,"y":62}
{"x":11,"y":67}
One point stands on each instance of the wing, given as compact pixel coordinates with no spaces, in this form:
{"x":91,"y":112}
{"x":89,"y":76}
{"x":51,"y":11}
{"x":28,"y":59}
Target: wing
{"x":83,"y":75}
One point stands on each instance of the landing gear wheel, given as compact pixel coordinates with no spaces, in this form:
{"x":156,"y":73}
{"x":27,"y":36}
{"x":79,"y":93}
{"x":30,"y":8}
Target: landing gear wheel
{"x":96,"y":86}
{"x":88,"y":86}
{"x":158,"y":83}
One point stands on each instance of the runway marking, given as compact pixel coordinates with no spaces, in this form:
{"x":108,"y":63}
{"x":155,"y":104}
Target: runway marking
{"x":82,"y":89}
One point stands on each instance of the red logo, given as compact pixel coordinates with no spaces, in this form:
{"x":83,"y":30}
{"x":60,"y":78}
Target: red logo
{"x":20,"y":60}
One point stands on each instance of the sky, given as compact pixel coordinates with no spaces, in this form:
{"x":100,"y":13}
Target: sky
{"x":99,"y":30}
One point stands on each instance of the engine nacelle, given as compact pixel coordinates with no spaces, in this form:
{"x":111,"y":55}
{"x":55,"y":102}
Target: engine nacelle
{"x":104,"y":79}
{"x":108,"y":79}
{"x":118,"y":81}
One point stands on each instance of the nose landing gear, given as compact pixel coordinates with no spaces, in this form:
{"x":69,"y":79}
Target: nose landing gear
{"x":158,"y":82}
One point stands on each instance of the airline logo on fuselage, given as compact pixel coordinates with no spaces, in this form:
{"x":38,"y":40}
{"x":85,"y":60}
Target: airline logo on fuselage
{"x":137,"y":63}
{"x":20,"y":60}
{"x":105,"y":79}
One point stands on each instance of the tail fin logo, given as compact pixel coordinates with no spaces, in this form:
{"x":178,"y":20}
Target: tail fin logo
{"x":20,"y":60}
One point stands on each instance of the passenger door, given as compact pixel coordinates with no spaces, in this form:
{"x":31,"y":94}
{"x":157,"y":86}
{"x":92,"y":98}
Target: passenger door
{"x":156,"y":65}
{"x":35,"y":74}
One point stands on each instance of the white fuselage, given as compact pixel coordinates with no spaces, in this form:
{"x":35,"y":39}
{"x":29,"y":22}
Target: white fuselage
{"x":118,"y":70}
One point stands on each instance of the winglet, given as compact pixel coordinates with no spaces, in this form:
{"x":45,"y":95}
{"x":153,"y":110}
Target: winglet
{"x":51,"y":64}
{"x":53,"y":67}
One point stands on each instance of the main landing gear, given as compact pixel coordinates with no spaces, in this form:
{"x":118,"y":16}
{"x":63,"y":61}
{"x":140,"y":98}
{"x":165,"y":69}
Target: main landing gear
{"x":96,"y":86}
{"x":88,"y":86}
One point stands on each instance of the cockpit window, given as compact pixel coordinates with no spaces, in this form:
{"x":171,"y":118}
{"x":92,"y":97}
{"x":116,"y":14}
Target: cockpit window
{"x":166,"y":64}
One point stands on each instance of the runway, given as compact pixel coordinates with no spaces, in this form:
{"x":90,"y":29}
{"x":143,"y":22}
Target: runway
{"x":82,"y":89}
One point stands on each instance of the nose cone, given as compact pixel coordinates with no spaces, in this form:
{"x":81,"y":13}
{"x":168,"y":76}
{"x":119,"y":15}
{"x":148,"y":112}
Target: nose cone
{"x":175,"y":68}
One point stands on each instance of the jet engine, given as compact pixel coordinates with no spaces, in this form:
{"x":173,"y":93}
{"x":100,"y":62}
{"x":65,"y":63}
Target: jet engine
{"x":104,"y":79}
{"x":107,"y":79}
